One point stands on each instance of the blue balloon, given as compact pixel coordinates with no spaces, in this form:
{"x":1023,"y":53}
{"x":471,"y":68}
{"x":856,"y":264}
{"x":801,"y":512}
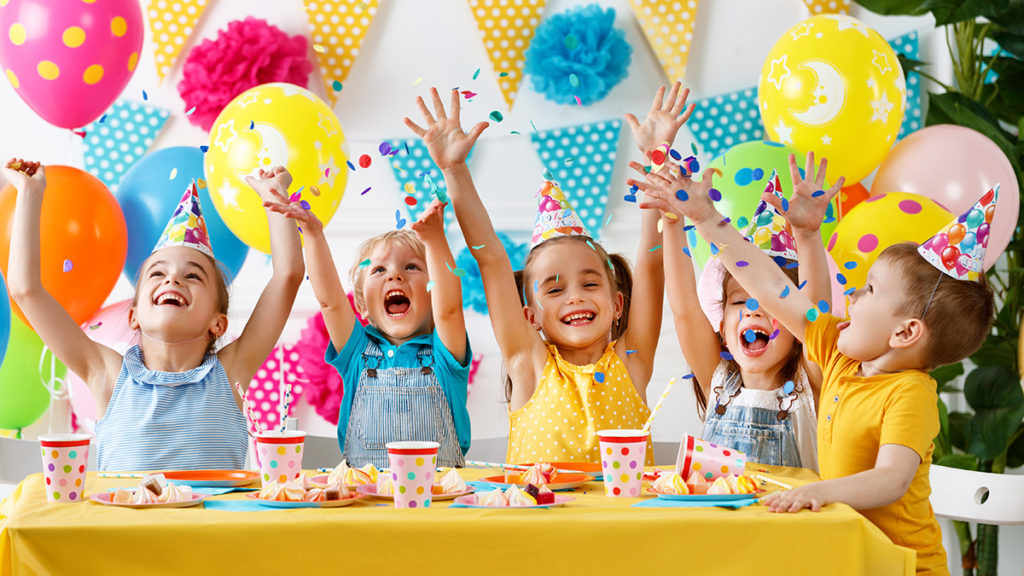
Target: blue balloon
{"x":5,"y":319}
{"x":148,"y":195}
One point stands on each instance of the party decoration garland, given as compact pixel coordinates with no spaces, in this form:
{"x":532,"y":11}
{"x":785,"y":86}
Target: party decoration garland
{"x":668,"y":32}
{"x":507,"y":27}
{"x":120,"y":138}
{"x":338,"y":28}
{"x":171,"y":23}
{"x":473,"y":296}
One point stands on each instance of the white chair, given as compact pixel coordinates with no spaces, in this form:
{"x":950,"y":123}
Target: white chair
{"x":977,"y":496}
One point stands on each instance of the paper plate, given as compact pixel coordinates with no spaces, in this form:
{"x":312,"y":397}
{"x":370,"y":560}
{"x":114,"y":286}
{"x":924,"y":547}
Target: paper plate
{"x":703,"y":497}
{"x":324,"y":504}
{"x":371,"y":491}
{"x":563,"y":481}
{"x":591,"y":468}
{"x":108,"y":499}
{"x":213,"y":478}
{"x":470,"y":502}
{"x":321,"y":480}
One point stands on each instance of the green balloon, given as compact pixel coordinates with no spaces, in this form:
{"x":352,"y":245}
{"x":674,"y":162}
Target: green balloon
{"x":23,"y":399}
{"x":745,"y":171}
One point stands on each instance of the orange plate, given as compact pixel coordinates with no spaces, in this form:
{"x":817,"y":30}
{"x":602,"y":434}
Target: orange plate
{"x":563,"y":481}
{"x":213,"y":478}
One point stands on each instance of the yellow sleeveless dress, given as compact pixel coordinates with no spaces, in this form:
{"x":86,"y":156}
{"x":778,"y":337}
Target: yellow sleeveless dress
{"x":571,"y":403}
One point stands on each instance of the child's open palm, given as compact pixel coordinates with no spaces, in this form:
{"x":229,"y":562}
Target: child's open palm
{"x":447,"y":143}
{"x":307,"y":221}
{"x":430,"y":224}
{"x":673,"y":192}
{"x":805,"y":210}
{"x":663,"y":120}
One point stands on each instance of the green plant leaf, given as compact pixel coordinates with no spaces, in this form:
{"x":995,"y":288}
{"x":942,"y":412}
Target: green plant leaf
{"x":990,"y":429}
{"x":914,"y":7}
{"x":1009,"y":41}
{"x":961,"y":461}
{"x":944,"y":374}
{"x":993,"y":387}
{"x":1003,"y":95}
{"x":941,"y":441}
{"x":995,"y":352}
{"x":958,"y":429}
{"x":949,"y":11}
{"x":1015,"y":453}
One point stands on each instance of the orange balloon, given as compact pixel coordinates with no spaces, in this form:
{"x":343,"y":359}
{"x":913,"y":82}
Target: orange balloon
{"x":83,"y":240}
{"x":956,"y":233}
{"x":849,"y":197}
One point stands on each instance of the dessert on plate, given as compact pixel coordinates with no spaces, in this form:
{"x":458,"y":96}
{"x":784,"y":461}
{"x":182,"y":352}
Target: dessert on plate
{"x":153,"y":489}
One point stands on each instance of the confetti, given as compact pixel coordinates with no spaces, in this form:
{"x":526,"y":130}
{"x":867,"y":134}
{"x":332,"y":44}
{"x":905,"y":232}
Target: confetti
{"x":785,"y":292}
{"x":752,"y":304}
{"x":319,"y":49}
{"x":305,"y":205}
{"x":788,"y":387}
{"x":365,"y":191}
{"x":742,"y":222}
{"x":574,"y":80}
{"x":203,"y":149}
{"x":468,"y":94}
{"x":410,"y":188}
{"x":682,"y":195}
{"x":536,"y":285}
{"x":430,"y":284}
{"x":364,"y":263}
{"x":687,"y":251}
{"x":384,"y":148}
{"x":503,"y":74}
{"x":715,"y":194}
{"x":477,"y":247}
{"x":533,"y":126}
{"x":749,"y":335}
{"x":570,"y":42}
{"x":294,"y":197}
{"x":174,"y":174}
{"x":578,"y":101}
{"x":823,"y":305}
{"x":411,"y":200}
{"x":96,"y":325}
{"x":849,"y":291}
{"x":725,"y":355}
{"x":693,"y":146}
{"x":459,"y":272}
{"x":336,"y":85}
{"x":675,"y":155}
{"x":841,"y":279}
{"x":785,"y":205}
{"x":599,"y":377}
{"x":742,"y":263}
{"x":658,"y":247}
{"x":801,"y":285}
{"x":68,"y":265}
{"x":628,"y":352}
{"x":714,"y":249}
{"x":252,"y":125}
{"x":812,"y":314}
{"x":399,"y":221}
{"x":350,"y":166}
{"x":548,"y":175}
{"x":850,"y":265}
{"x":818,"y":193}
{"x":201,"y":183}
{"x":774,"y":335}
{"x":104,"y":117}
{"x":364,"y":161}
{"x":418,"y":80}
{"x":475,"y":74}
{"x":144,"y":95}
{"x":496,"y":116}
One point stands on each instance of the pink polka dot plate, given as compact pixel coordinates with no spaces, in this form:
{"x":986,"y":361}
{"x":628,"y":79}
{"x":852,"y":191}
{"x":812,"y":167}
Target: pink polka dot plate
{"x":321,"y":481}
{"x":108,"y":497}
{"x":371,"y":491}
{"x":470,"y":502}
{"x":213,"y":478}
{"x":563,"y":481}
{"x":291,"y":504}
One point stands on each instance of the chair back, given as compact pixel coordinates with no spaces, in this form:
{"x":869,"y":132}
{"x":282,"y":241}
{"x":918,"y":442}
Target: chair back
{"x":977,"y":496}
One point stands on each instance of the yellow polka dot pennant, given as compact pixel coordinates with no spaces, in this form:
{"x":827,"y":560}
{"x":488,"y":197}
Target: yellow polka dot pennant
{"x":507,"y":27}
{"x":668,"y":27}
{"x":828,"y":6}
{"x":338,"y":28}
{"x":170,"y":23}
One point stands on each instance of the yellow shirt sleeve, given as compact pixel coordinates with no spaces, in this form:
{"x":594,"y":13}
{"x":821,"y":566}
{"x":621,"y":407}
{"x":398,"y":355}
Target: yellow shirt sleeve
{"x":820,"y":339}
{"x":911,"y":416}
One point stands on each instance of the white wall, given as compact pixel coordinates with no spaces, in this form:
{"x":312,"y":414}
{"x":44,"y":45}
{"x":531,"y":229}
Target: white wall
{"x":437,"y":40}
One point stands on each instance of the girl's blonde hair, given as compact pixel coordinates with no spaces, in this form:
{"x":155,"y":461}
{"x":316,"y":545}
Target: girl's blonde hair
{"x":358,"y":271}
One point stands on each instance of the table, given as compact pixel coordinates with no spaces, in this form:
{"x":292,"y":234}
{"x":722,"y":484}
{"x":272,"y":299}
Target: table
{"x":593,"y":534}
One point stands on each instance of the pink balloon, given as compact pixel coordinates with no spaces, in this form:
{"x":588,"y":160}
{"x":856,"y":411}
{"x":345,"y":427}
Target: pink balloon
{"x":954,"y":166}
{"x":109,"y":327}
{"x":69,"y":63}
{"x":938,"y":242}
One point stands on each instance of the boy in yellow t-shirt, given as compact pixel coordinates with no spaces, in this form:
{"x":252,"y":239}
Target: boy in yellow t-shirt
{"x":877,"y":416}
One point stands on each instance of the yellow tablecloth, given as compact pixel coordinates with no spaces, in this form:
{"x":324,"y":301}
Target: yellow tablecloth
{"x":593,"y":534}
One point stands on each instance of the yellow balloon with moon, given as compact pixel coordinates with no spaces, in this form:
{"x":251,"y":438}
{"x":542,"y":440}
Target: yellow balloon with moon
{"x":271,"y":125}
{"x":833,"y":86}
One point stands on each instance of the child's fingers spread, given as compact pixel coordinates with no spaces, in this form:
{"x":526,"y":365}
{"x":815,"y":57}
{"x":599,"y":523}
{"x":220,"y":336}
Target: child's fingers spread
{"x":438,"y":105}
{"x":794,"y":172}
{"x":773,"y":201}
{"x":456,"y":105}
{"x":414,"y":127}
{"x":427,"y":116}
{"x":634,"y":124}
{"x":642,"y":185}
{"x":686,"y":115}
{"x":638,"y":167}
{"x":477,"y":131}
{"x":836,"y":187}
{"x":809,"y":167}
{"x":670,"y":102}
{"x":820,"y":178}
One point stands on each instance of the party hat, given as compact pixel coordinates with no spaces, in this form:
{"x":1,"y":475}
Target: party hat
{"x":959,"y":248}
{"x":767,"y":228}
{"x":187,"y":227}
{"x":555,"y":216}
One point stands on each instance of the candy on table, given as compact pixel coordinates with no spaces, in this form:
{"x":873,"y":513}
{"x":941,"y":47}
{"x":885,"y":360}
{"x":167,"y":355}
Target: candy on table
{"x":542,"y":494}
{"x":518,"y":498}
{"x":385,"y":485}
{"x":300,"y":490}
{"x":670,"y":484}
{"x":451,"y":483}
{"x":494,"y":498}
{"x":720,"y":486}
{"x":539,"y":474}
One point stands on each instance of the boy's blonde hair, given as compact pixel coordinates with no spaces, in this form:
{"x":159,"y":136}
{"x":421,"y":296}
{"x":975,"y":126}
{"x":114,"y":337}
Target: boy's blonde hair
{"x":958,"y":313}
{"x":394,"y":237}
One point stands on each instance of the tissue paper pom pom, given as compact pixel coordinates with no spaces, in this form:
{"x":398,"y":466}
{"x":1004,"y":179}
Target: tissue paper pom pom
{"x":472,"y":284}
{"x":248,"y":53}
{"x":578,"y":53}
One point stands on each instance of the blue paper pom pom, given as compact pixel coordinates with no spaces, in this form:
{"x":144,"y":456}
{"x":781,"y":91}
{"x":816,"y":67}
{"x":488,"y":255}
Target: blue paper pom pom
{"x":472,"y":284}
{"x":578,"y":53}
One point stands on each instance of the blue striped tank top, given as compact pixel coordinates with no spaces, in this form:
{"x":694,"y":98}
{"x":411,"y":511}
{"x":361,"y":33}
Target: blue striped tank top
{"x":171,"y":420}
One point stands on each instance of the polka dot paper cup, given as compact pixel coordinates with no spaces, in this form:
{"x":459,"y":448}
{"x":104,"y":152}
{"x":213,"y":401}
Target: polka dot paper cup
{"x":622,"y":460}
{"x":412,"y":471}
{"x":710,"y":461}
{"x":280,"y":455}
{"x":65,"y":460}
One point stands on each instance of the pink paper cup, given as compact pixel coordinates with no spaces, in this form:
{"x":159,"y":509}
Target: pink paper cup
{"x":622,"y":461}
{"x":412,"y":472}
{"x":709,"y":460}
{"x":65,"y":460}
{"x":280,"y":455}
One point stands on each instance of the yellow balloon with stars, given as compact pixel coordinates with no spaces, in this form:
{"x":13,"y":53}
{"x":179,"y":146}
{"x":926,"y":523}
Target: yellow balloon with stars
{"x":271,"y":125}
{"x":833,"y":86}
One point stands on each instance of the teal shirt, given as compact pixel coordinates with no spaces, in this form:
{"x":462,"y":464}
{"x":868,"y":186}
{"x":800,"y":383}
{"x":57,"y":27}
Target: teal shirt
{"x":452,"y":376}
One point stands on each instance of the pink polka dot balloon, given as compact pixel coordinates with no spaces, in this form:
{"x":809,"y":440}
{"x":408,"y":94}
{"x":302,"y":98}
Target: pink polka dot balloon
{"x":877,"y":223}
{"x":69,"y":59}
{"x":264,"y":393}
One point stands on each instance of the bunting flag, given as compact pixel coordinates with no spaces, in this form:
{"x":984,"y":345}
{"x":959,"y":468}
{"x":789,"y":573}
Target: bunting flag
{"x":669,"y":32}
{"x":418,"y":177}
{"x":119,"y":138}
{"x":581,"y":159}
{"x":507,"y":27}
{"x":338,"y":28}
{"x":827,"y":6}
{"x":171,"y":23}
{"x":908,"y":46}
{"x":721,"y":122}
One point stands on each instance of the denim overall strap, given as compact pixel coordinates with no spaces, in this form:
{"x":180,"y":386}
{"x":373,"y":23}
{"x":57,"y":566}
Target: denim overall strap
{"x":400,"y":403}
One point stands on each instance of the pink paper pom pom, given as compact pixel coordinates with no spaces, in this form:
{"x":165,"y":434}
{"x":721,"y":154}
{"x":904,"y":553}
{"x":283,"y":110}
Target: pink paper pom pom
{"x":248,"y":53}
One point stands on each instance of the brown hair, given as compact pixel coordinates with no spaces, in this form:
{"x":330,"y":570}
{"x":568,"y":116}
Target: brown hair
{"x":358,"y":271}
{"x":219,"y":279}
{"x":619,"y":274}
{"x":958,"y":315}
{"x":789,"y":369}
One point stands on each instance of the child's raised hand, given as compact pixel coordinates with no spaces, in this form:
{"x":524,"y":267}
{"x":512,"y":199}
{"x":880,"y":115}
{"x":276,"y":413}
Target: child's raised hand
{"x":447,"y":143}
{"x":674,"y":192}
{"x":663,"y":120}
{"x":271,"y":185}
{"x":805,"y":209}
{"x":307,"y":221}
{"x":25,"y":175}
{"x":807,"y":496}
{"x":430,"y":225}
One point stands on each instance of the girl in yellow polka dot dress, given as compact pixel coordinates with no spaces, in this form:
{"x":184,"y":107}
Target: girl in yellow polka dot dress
{"x":579,"y":346}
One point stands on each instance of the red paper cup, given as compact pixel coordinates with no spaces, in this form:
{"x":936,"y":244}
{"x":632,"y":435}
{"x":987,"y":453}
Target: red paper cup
{"x":622,"y":460}
{"x":65,"y":459}
{"x":280,"y":455}
{"x":412,"y":472}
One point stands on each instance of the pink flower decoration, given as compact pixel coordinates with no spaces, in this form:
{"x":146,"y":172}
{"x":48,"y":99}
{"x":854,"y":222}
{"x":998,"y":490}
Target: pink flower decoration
{"x":248,"y":53}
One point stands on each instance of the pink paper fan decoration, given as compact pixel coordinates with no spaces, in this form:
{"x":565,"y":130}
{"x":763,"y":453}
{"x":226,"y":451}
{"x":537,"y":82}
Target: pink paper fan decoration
{"x":247,"y":53}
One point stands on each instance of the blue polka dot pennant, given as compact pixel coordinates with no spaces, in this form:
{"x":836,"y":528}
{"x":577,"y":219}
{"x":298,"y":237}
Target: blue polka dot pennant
{"x":581,"y":159}
{"x":418,"y":177}
{"x":721,"y":122}
{"x":120,"y":138}
{"x":908,"y":46}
